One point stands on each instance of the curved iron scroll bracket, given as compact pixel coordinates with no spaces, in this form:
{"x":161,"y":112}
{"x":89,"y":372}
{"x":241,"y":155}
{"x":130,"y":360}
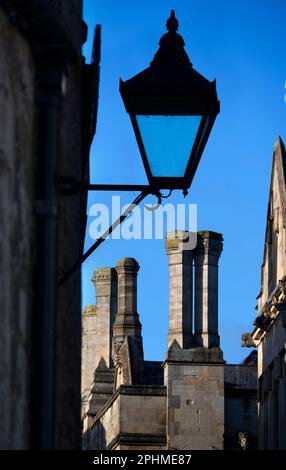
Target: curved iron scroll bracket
{"x":160,"y":196}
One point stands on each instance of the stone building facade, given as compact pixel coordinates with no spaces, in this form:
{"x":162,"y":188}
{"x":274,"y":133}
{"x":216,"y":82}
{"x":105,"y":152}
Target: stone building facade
{"x":191,"y":400}
{"x":269,"y":334}
{"x":48,"y":112}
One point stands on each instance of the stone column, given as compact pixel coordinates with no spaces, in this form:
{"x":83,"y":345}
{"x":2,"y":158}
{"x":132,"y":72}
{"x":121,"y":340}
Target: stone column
{"x":207,"y":253}
{"x":105,"y":282}
{"x":180,"y":289}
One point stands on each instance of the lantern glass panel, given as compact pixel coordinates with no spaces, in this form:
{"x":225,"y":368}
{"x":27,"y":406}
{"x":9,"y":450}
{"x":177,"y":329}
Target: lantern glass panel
{"x":168,"y":142}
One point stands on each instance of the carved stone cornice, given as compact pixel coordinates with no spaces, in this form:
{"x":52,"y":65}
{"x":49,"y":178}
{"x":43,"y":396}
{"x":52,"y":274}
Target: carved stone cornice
{"x":104,"y":274}
{"x":127,"y":265}
{"x":278,"y":296}
{"x":209,"y":243}
{"x":180,"y":240}
{"x":198,"y":243}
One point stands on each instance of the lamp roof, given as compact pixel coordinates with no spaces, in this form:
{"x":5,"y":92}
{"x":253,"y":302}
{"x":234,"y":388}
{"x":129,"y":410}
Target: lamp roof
{"x":170,"y":71}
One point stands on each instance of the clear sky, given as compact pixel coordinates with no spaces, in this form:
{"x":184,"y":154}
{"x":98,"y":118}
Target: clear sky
{"x":241,"y":43}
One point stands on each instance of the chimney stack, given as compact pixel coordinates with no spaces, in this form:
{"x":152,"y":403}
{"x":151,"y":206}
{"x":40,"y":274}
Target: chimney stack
{"x":127,"y":339}
{"x":87,"y":351}
{"x":194,"y":361}
{"x":202,"y":264}
{"x":180,"y":289}
{"x":207,"y":253}
{"x":127,"y":321}
{"x":105,"y":282}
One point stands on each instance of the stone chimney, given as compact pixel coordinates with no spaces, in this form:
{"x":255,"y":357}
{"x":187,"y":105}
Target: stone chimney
{"x":105,"y":282}
{"x":193,"y":285}
{"x":180,"y":289}
{"x":206,"y":256}
{"x":194,"y":365}
{"x":127,"y":339}
{"x":87,"y":351}
{"x":97,"y":368}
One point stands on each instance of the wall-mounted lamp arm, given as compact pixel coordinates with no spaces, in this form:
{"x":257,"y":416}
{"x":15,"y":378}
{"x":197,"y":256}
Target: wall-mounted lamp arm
{"x":147,"y":190}
{"x":72,"y":186}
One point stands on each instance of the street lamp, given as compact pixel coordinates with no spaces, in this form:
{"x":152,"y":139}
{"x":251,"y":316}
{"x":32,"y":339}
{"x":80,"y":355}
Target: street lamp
{"x":172,"y":109}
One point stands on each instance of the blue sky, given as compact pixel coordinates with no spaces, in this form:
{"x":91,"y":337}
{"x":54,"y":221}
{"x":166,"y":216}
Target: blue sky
{"x":242,"y":44}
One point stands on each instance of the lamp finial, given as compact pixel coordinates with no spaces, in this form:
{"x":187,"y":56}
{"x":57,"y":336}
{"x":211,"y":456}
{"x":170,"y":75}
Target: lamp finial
{"x":171,"y":45}
{"x":172,"y":23}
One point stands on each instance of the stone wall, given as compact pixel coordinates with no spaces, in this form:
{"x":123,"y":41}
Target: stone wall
{"x":135,"y":418}
{"x":16,"y":232}
{"x":272,"y":386}
{"x":70,"y":246}
{"x":195,"y":406}
{"x":107,"y":426}
{"x":240,"y":405}
{"x":272,"y":344}
{"x":27,"y":114}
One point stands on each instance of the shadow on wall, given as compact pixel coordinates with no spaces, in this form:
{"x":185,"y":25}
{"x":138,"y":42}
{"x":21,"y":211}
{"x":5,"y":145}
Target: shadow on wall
{"x":100,"y":436}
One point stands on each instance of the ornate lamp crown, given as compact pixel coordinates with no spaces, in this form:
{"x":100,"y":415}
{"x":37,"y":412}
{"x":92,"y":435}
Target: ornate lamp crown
{"x":171,"y":44}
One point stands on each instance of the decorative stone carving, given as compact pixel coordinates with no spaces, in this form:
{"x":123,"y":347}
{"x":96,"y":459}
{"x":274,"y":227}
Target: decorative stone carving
{"x":247,"y":341}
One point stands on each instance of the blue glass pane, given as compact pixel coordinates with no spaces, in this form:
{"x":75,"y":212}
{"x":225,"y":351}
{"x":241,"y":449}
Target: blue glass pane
{"x":168,"y":141}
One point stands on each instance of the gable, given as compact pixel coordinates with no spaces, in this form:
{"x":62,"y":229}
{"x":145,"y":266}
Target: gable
{"x":274,"y":260}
